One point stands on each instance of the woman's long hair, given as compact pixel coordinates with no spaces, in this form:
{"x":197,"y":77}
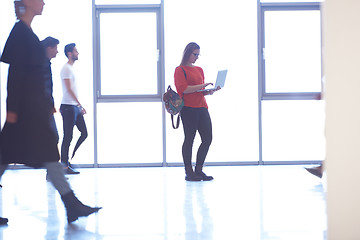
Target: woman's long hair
{"x":189,"y":49}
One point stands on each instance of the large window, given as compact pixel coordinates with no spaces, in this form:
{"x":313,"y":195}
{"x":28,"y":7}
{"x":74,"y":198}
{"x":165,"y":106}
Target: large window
{"x":133,"y":50}
{"x":290,"y":50}
{"x":126,"y":2}
{"x":127,"y":55}
{"x":290,"y":83}
{"x":129,"y":133}
{"x":226,"y":33}
{"x":128,"y":70}
{"x":266,"y":113}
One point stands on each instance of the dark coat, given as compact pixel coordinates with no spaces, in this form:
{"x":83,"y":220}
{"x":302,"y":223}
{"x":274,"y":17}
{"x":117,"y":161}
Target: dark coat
{"x":33,"y":139}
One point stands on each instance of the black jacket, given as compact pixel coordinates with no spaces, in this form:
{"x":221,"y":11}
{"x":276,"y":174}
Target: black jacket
{"x":32,"y":140}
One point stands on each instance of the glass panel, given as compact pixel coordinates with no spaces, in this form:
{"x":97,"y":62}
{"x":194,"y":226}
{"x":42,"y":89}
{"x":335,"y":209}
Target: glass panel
{"x":130,"y":132}
{"x":234,"y":109}
{"x":285,"y":1}
{"x":292,"y":51}
{"x":128,"y":53}
{"x":106,"y":2}
{"x":293,"y":130}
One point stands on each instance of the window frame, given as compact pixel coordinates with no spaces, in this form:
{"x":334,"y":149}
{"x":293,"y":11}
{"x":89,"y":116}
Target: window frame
{"x":146,"y":8}
{"x":283,"y":6}
{"x":99,"y":98}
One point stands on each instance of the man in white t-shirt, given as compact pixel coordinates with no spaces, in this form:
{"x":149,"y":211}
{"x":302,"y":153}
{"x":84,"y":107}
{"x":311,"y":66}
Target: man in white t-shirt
{"x":71,"y":110}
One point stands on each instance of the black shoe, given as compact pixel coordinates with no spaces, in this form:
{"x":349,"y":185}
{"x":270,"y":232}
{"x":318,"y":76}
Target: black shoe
{"x":3,"y":221}
{"x":315,"y":171}
{"x":203,"y":176}
{"x":69,"y":170}
{"x":192,"y":177}
{"x":75,"y":208}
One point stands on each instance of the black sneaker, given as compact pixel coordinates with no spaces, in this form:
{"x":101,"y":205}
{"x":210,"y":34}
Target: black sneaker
{"x":69,"y":170}
{"x":192,"y":177}
{"x":315,"y":171}
{"x":203,"y":176}
{"x":3,"y":221}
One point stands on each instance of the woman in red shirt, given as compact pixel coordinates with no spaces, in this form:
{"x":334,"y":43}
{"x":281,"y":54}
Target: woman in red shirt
{"x":194,"y":115}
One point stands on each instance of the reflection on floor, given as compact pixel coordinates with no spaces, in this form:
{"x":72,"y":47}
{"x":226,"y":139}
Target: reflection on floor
{"x":243,"y":202}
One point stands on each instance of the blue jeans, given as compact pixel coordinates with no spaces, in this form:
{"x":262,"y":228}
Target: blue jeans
{"x":72,"y":116}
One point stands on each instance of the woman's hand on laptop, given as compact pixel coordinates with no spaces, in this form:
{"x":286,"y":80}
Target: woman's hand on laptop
{"x":211,"y":92}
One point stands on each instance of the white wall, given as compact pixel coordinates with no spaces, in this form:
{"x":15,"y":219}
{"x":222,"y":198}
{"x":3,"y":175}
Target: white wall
{"x":342,"y":64}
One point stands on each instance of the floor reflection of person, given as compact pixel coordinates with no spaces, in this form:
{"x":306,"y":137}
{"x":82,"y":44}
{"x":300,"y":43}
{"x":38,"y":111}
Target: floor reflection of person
{"x":196,"y":209}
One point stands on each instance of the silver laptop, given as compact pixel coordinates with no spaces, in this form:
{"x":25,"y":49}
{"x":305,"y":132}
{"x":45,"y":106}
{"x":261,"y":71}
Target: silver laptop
{"x":220,"y":81}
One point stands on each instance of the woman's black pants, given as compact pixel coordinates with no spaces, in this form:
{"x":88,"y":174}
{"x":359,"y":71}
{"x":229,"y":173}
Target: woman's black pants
{"x":193,"y":120}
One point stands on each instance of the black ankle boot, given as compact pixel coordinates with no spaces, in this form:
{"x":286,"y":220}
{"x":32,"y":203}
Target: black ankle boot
{"x":3,"y":221}
{"x":191,"y":176}
{"x":75,"y":208}
{"x":200,"y":173}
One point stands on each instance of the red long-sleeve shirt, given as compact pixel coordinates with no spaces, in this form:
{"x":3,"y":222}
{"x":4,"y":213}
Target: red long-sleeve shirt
{"x":194,"y":76}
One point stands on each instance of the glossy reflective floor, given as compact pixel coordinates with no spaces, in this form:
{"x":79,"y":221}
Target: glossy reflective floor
{"x":243,"y":202}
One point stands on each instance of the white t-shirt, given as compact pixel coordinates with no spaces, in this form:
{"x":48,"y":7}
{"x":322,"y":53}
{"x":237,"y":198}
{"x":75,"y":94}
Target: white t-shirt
{"x":67,"y":72}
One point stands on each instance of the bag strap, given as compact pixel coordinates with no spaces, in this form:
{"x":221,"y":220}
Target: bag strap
{"x":177,"y":121}
{"x":185,"y":79}
{"x":184,"y":72}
